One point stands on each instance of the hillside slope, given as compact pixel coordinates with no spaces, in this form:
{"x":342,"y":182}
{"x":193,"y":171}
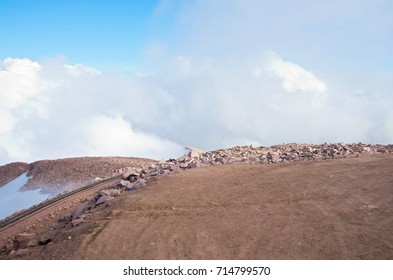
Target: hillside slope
{"x":332,"y":209}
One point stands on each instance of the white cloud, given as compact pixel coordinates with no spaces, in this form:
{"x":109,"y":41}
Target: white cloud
{"x":80,"y":70}
{"x":293,"y":76}
{"x":19,"y":80}
{"x":7,"y":122}
{"x":114,"y":136}
{"x":192,"y":100}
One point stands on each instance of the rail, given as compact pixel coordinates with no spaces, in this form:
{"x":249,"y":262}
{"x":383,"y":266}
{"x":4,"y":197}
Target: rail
{"x":13,"y":219}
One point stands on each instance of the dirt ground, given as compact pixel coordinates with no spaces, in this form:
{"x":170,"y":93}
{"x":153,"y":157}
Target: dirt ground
{"x":334,"y":209}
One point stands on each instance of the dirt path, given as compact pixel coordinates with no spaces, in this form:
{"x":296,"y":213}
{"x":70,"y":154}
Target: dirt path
{"x":336,"y":209}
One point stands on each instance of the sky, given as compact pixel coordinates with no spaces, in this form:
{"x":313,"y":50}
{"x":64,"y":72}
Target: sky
{"x":147,"y":78}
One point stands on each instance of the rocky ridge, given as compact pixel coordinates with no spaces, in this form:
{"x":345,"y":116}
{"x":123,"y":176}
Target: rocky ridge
{"x":12,"y":170}
{"x":134,"y":178}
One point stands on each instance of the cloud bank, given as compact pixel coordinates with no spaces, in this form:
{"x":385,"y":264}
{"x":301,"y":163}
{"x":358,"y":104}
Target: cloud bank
{"x":57,"y":110}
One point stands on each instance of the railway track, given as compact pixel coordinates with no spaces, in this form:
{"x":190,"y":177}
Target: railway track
{"x":12,"y":220}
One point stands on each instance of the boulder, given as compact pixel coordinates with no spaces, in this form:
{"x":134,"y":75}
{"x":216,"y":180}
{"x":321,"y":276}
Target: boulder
{"x":194,"y":165}
{"x":197,"y":150}
{"x":124,"y":183}
{"x":174,"y":168}
{"x":220,"y":160}
{"x":23,"y":239}
{"x":19,"y":253}
{"x":103,"y":199}
{"x":131,"y":172}
{"x":77,"y":222}
{"x":58,"y":225}
{"x":110,"y":192}
{"x":46,"y":237}
{"x":10,"y":244}
{"x":137,"y":184}
{"x":80,"y":209}
{"x":33,"y":243}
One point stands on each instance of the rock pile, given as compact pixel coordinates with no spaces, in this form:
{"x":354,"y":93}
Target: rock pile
{"x":260,"y":155}
{"x":134,"y":178}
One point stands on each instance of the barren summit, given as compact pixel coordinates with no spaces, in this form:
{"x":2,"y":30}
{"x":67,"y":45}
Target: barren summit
{"x":295,"y":201}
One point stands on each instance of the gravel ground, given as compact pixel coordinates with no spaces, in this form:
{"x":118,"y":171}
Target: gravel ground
{"x":333,"y":209}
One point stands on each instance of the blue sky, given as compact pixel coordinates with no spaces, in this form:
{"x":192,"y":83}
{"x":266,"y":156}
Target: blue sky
{"x":146,"y":78}
{"x":97,"y":33}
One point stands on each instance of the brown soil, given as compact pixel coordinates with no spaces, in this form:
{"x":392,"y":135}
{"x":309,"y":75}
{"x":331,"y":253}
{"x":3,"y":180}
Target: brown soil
{"x":334,"y":209}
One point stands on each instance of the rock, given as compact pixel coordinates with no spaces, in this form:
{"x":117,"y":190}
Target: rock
{"x":12,"y":254}
{"x":110,"y":192}
{"x":33,"y":243}
{"x":193,"y":165}
{"x":21,"y":252}
{"x":220,"y":160}
{"x":124,"y":183}
{"x":194,"y":154}
{"x":58,"y":225}
{"x":103,"y":199}
{"x":10,"y":244}
{"x":76,"y":222}
{"x":80,"y":209}
{"x":126,"y":174}
{"x":46,"y":237}
{"x":234,"y":159}
{"x":370,"y":207}
{"x":23,"y":239}
{"x":67,"y":218}
{"x":196,"y":150}
{"x":174,"y":168}
{"x":137,"y":184}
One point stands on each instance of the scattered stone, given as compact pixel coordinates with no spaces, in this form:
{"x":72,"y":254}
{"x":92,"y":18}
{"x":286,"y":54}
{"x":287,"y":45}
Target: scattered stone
{"x":22,"y":252}
{"x":58,"y":225}
{"x":23,"y":239}
{"x":10,"y":244}
{"x":137,"y":184}
{"x":33,"y":243}
{"x":103,"y":199}
{"x":193,"y":165}
{"x":12,"y":254}
{"x":76,"y":222}
{"x":124,"y":183}
{"x":80,"y":209}
{"x":46,"y":237}
{"x":195,"y":152}
{"x":127,"y":174}
{"x":370,"y":207}
{"x":110,"y":192}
